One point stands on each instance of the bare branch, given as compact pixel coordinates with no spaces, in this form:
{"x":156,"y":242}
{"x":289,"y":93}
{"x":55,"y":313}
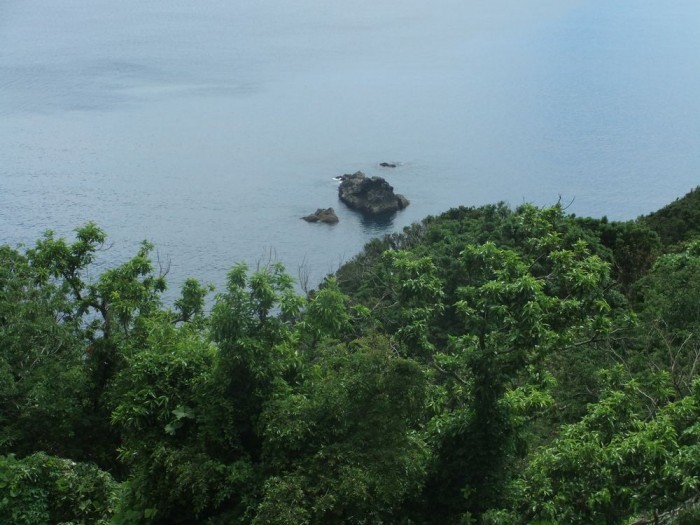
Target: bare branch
{"x":303,"y":276}
{"x":163,"y":268}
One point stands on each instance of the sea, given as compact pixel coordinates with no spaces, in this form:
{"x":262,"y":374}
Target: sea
{"x":210,"y":127}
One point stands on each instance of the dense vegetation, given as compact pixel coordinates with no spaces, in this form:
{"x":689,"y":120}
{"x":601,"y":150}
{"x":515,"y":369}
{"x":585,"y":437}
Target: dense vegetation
{"x":488,"y":366}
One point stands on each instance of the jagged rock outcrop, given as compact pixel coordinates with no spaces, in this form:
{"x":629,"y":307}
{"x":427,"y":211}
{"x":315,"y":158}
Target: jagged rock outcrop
{"x":326,"y":215}
{"x":370,"y":195}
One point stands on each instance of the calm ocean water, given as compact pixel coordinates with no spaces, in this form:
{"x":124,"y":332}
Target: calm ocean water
{"x":210,"y":127}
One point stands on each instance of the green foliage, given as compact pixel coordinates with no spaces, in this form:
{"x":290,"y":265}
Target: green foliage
{"x":190,"y":305}
{"x":121,"y":296}
{"x":441,"y":238}
{"x":668,"y":307}
{"x":634,"y":452}
{"x":158,"y":399}
{"x":414,"y":287}
{"x":668,"y":294}
{"x":633,"y":245}
{"x":449,"y":374}
{"x":89,"y":323}
{"x":341,"y":443}
{"x":43,"y":490}
{"x":188,"y":402}
{"x":677,"y":222}
{"x":255,"y":350}
{"x":158,"y":383}
{"x":441,"y":241}
{"x":515,"y":308}
{"x":326,"y":315}
{"x":43,"y":383}
{"x":243,"y":316}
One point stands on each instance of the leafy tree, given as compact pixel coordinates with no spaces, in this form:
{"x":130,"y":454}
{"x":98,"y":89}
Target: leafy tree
{"x":43,"y":382}
{"x":255,"y":349}
{"x":63,"y":337}
{"x":46,"y":490}
{"x":668,"y":294}
{"x":515,"y":309}
{"x":635,"y":452}
{"x":157,"y":401}
{"x":190,"y":306}
{"x":326,"y":316}
{"x":669,"y":336}
{"x":633,"y":245}
{"x":341,"y":445}
{"x":442,"y":238}
{"x":189,"y":407}
{"x":114,"y":305}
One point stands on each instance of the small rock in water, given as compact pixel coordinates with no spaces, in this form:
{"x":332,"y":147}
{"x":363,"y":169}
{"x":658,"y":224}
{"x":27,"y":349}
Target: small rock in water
{"x":326,"y":215}
{"x":387,"y":164}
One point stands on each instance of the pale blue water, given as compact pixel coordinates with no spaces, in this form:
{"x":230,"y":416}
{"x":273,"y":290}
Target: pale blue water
{"x":210,"y":127}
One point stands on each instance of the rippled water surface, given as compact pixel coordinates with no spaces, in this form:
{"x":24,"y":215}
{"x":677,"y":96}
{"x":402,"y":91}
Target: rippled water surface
{"x":210,"y":127}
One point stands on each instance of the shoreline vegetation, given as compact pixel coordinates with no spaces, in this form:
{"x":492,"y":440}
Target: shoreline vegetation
{"x":489,"y":365}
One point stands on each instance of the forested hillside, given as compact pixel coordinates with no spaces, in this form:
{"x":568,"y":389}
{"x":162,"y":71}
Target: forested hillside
{"x":489,"y":365}
{"x":679,"y":221}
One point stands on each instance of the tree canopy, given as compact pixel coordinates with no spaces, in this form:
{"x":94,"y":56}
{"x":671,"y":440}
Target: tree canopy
{"x":489,"y":366}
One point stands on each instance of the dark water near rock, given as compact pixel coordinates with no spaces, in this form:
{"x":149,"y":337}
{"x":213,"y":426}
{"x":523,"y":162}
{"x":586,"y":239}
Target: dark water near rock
{"x":210,"y":127}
